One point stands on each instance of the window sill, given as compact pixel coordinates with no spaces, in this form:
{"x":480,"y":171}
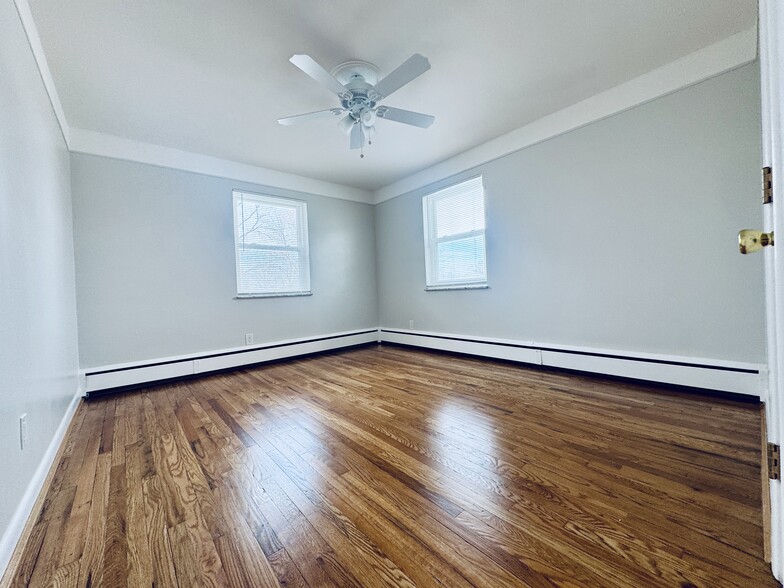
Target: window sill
{"x":272,"y":295}
{"x":458,"y":287}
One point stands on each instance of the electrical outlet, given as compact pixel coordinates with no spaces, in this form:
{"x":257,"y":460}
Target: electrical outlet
{"x":23,"y":431}
{"x":411,"y":324}
{"x":248,"y":338}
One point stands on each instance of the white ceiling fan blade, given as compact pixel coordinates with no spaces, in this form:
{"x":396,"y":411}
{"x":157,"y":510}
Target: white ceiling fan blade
{"x":412,"y":68}
{"x":300,"y":118}
{"x":309,"y":65}
{"x":408,"y":117}
{"x":356,"y":137}
{"x":346,"y":124}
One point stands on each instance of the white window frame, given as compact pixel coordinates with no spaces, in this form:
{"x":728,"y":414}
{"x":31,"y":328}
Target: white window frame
{"x":301,"y":208}
{"x":432,"y":241}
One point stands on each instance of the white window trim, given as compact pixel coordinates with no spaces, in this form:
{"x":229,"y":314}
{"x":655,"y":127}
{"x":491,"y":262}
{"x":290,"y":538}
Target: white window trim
{"x":431,"y":243}
{"x":302,"y":223}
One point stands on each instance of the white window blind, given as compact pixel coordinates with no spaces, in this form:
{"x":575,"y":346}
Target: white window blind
{"x":455,"y":236}
{"x":271,"y":246}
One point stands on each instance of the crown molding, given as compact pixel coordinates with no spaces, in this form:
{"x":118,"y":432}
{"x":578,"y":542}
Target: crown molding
{"x":728,"y":54}
{"x":31,"y":32}
{"x":111,"y":146}
{"x":733,"y":52}
{"x":94,"y":143}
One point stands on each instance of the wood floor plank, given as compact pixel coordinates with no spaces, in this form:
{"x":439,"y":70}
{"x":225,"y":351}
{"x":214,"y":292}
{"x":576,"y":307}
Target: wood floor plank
{"x":92,"y":560}
{"x":287,"y":572}
{"x":30,"y":556}
{"x":52,"y":545}
{"x":139,"y":559}
{"x":115,"y":554}
{"x":157,"y":533}
{"x":66,"y":576}
{"x":386,"y":466}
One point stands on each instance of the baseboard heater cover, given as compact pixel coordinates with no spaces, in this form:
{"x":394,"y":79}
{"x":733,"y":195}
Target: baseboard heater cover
{"x":122,"y":375}
{"x":709,"y":374}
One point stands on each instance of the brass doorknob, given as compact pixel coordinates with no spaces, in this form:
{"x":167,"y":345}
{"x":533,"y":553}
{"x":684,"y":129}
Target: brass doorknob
{"x":750,"y":240}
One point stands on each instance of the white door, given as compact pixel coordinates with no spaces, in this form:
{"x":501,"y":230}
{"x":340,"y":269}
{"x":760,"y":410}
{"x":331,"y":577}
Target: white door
{"x":771,"y":44}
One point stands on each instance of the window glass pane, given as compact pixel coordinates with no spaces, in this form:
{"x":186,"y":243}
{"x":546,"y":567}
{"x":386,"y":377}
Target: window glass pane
{"x":455,"y":235}
{"x":268,"y":270}
{"x":271,"y":245}
{"x":461,"y":259}
{"x":267,"y":224}
{"x":459,"y":214}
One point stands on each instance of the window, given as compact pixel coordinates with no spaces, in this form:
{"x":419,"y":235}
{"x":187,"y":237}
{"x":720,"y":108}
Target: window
{"x":271,"y":245}
{"x":455,"y":236}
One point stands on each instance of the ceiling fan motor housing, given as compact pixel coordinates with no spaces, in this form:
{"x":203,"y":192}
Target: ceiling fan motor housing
{"x":360,"y":99}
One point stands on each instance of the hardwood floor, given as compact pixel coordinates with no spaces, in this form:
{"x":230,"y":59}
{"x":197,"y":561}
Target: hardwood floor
{"x":383,"y":466}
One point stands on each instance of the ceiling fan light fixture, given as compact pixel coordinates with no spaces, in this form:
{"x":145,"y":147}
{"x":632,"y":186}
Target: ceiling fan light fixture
{"x":356,"y":85}
{"x":368,"y":117}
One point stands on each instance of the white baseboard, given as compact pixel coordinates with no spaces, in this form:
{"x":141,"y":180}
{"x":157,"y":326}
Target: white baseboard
{"x":25,"y":507}
{"x":140,"y":372}
{"x":708,"y":374}
{"x":696,"y":372}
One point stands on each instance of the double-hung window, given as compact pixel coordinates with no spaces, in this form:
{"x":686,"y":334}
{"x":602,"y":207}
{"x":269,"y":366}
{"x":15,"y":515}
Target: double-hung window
{"x":454,"y":223}
{"x":271,"y":246}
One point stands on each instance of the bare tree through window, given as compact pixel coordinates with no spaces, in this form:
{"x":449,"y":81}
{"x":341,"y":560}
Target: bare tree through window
{"x":271,"y":242}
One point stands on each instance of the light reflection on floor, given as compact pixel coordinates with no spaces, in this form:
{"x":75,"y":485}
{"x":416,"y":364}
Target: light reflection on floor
{"x":472,"y":430}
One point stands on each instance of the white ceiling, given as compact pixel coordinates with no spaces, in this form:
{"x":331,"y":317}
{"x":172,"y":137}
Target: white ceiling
{"x":212,"y":77}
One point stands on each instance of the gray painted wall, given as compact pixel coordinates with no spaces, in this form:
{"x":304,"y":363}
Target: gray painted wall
{"x":38,"y":345}
{"x":620,"y":235}
{"x":155,"y":265}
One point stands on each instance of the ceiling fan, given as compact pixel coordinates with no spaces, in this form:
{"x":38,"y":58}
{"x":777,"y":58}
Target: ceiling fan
{"x":357,"y":87}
